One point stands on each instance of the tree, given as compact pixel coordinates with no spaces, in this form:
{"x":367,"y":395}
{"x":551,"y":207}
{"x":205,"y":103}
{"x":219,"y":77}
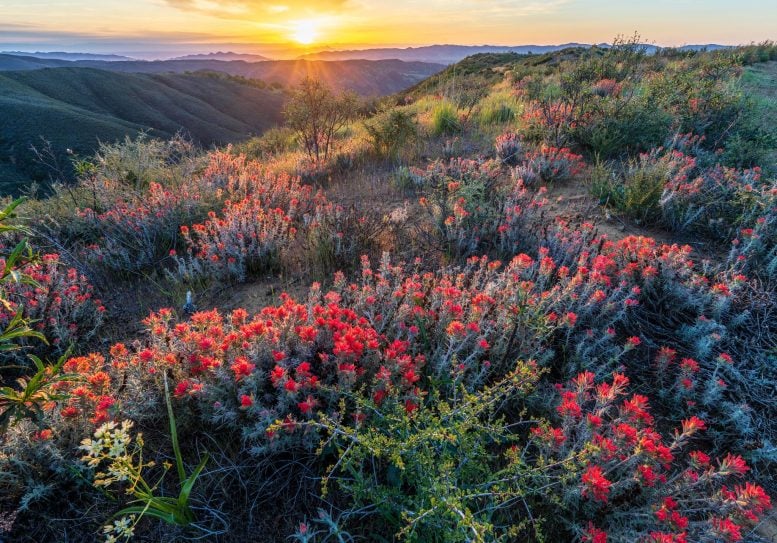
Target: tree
{"x":315,"y":113}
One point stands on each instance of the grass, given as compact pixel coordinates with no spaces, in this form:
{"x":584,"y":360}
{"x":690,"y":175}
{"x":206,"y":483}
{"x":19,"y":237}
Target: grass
{"x":499,"y":108}
{"x":445,"y":119}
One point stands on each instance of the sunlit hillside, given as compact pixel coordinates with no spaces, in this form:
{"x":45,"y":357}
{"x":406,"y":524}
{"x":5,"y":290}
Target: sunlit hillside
{"x":529,"y":298}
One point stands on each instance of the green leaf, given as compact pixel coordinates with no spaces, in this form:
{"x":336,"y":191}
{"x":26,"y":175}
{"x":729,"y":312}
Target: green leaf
{"x":174,"y":435}
{"x":186,"y":488}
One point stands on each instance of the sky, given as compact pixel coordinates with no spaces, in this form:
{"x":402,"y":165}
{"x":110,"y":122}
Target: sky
{"x":285,"y":28}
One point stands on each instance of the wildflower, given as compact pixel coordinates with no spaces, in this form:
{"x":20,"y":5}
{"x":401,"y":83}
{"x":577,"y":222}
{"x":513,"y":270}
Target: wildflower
{"x":632,"y":342}
{"x":594,"y":535}
{"x":733,"y":465}
{"x":246,"y":401}
{"x":727,"y":529}
{"x":307,"y":405}
{"x":692,"y":425}
{"x":595,"y":483}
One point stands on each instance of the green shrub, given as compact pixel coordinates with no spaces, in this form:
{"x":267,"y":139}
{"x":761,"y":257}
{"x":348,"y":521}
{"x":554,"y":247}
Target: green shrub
{"x":445,"y":119}
{"x":390,"y":131}
{"x":275,"y":141}
{"x":619,"y":129}
{"x":435,"y":474}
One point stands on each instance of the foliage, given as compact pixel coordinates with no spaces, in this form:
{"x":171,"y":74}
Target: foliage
{"x":445,"y":119}
{"x":316,"y":115}
{"x":58,"y":302}
{"x":390,"y":131}
{"x":113,"y":451}
{"x":16,"y":326}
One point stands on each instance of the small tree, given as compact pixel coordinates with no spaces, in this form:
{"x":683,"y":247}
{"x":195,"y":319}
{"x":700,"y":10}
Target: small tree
{"x":315,"y":113}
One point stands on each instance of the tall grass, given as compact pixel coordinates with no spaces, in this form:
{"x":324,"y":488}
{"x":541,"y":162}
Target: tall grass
{"x":498,"y":108}
{"x":445,"y":119}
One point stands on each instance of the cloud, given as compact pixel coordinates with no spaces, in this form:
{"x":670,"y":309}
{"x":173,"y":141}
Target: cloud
{"x":237,"y":9}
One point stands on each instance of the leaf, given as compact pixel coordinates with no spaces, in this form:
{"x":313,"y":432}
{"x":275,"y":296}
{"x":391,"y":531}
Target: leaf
{"x":186,"y":488}
{"x":174,"y":435}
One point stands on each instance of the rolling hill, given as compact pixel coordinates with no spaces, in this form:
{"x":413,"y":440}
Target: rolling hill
{"x":74,"y":108}
{"x":451,"y":54}
{"x":367,"y":78}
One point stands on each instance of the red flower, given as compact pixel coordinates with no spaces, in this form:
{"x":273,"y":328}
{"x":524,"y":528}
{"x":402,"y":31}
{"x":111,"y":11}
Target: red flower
{"x":693,"y":425}
{"x":596,"y":484}
{"x":308,"y":405}
{"x":632,"y":342}
{"x":733,"y":465}
{"x":594,"y":535}
{"x":727,"y":529}
{"x":242,"y":368}
{"x":246,"y":401}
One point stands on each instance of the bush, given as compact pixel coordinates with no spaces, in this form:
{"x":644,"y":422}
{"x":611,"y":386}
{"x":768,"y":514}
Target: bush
{"x":664,"y":491}
{"x":390,"y":131}
{"x":623,"y":129}
{"x":638,"y":191}
{"x":548,"y":165}
{"x":509,"y":148}
{"x":245,"y":241}
{"x":139,"y":162}
{"x":316,"y":115}
{"x":60,"y":303}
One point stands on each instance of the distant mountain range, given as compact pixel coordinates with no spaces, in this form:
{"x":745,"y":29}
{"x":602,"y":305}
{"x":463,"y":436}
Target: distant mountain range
{"x":61,"y":55}
{"x":224,"y":56}
{"x":450,"y":54}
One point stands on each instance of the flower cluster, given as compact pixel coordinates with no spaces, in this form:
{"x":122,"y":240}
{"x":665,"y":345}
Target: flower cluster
{"x":246,"y":239}
{"x":61,"y":303}
{"x":672,"y":492}
{"x":136,"y":231}
{"x":548,"y":165}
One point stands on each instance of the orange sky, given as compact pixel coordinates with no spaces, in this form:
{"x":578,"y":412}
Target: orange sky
{"x":262,"y":26}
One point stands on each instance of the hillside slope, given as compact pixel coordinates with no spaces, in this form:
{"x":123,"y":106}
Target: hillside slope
{"x":365,"y":77}
{"x":77,"y":107}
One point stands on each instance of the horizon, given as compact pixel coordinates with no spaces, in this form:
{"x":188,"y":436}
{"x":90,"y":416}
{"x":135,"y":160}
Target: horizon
{"x":290,"y":28}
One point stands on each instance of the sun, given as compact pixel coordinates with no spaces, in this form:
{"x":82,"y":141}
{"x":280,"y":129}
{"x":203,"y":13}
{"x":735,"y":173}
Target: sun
{"x":305,"y":32}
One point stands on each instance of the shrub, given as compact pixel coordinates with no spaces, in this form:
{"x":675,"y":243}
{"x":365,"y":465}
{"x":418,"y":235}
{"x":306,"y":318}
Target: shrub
{"x":335,"y":237}
{"x":632,"y":484}
{"x":549,"y":165}
{"x":462,"y":201}
{"x":390,"y":131}
{"x":618,"y":128}
{"x":717,"y":201}
{"x":245,"y":240}
{"x":445,"y":119}
{"x":59,"y":302}
{"x":509,"y":148}
{"x":138,"y":162}
{"x":498,"y":108}
{"x":315,"y":114}
{"x":638,"y":193}
{"x":136,"y":233}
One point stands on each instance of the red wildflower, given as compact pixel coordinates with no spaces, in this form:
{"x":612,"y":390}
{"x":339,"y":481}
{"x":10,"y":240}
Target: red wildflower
{"x":596,"y":484}
{"x":727,"y":529}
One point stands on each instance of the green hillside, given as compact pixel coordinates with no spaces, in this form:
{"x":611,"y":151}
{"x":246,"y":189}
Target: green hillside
{"x":365,"y":77}
{"x":74,"y":108}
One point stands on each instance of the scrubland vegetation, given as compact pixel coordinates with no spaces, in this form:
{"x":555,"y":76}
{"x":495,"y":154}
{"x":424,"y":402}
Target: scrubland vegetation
{"x":530,"y":299}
